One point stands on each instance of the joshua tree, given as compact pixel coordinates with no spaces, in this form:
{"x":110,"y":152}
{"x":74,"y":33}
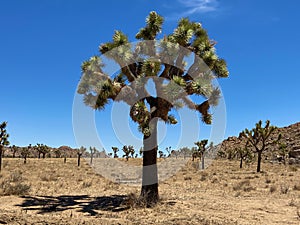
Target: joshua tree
{"x":42,"y":149}
{"x":161,"y":154}
{"x":141,"y":151}
{"x":185,"y":151}
{"x":93,"y":151}
{"x":163,"y":62}
{"x":283,"y":151}
{"x":25,"y":151}
{"x":14,"y":149}
{"x":201,"y":149}
{"x":57,"y":152}
{"x":3,"y":140}
{"x":80,"y":152}
{"x":128,"y":150}
{"x":115,"y":150}
{"x":195,"y":153}
{"x":132,"y":151}
{"x":243,"y":153}
{"x":65,"y":150}
{"x":259,"y":138}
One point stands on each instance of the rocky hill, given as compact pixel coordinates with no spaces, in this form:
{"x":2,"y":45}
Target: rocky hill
{"x":290,"y":137}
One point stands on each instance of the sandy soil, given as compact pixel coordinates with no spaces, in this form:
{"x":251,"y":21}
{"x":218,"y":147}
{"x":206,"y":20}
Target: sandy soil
{"x":221,"y":194}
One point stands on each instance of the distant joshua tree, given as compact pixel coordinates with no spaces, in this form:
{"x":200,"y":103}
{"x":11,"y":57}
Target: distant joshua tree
{"x":259,"y":138}
{"x":128,"y":150}
{"x":141,"y":151}
{"x":93,"y":151}
{"x":57,"y":152}
{"x":14,"y":149}
{"x":25,"y":151}
{"x":115,"y":150}
{"x":161,"y":154}
{"x":283,"y":152}
{"x":201,"y":149}
{"x":80,"y":152}
{"x":42,"y":150}
{"x":3,"y":140}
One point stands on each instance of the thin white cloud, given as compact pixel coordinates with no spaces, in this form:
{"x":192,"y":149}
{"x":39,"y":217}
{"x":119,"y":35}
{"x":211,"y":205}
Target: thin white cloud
{"x":198,"y":6}
{"x":190,"y":7}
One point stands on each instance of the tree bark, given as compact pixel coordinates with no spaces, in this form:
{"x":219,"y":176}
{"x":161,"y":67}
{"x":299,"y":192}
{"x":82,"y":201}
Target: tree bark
{"x":258,"y":161}
{"x":78,"y":160}
{"x":1,"y":151}
{"x":241,"y":163}
{"x":149,"y":191}
{"x":202,"y":161}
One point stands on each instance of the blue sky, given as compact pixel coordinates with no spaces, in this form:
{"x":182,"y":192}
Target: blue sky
{"x":43,"y":43}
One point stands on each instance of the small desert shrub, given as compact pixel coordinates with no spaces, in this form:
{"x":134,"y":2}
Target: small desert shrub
{"x":13,"y":185}
{"x":273,"y":189}
{"x":87,"y":184}
{"x":132,"y":201}
{"x":4,"y":164}
{"x":268,"y":181}
{"x":48,"y":177}
{"x":214,"y":180}
{"x":16,"y":176}
{"x":187,"y":178}
{"x":235,"y":178}
{"x":296,"y":187}
{"x":293,"y":203}
{"x":284,"y":189}
{"x":203,"y":176}
{"x":16,"y":189}
{"x":293,"y":168}
{"x":237,"y":194}
{"x":243,"y":185}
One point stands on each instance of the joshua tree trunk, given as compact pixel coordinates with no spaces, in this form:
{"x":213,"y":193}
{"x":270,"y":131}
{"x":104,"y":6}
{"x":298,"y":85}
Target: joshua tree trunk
{"x":202,"y":161}
{"x":149,"y":192}
{"x":44,"y":155}
{"x":39,"y":155}
{"x":1,"y":152}
{"x":25,"y":157}
{"x":258,"y":161}
{"x":65,"y":159}
{"x":91,"y":162}
{"x":241,"y":162}
{"x":78,"y":160}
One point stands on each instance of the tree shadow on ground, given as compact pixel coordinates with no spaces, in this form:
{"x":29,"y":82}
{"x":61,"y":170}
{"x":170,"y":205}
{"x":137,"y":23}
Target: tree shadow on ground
{"x":81,"y":203}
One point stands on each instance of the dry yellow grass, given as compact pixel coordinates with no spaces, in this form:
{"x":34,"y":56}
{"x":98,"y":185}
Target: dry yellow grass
{"x":222,"y":194}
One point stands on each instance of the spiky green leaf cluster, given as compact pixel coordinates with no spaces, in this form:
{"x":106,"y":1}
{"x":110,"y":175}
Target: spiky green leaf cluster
{"x":150,"y":67}
{"x":201,"y":145}
{"x":139,"y":113}
{"x":3,"y":135}
{"x":153,"y":27}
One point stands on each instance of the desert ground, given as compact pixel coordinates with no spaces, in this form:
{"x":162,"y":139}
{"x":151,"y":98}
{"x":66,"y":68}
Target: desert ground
{"x":48,"y":191}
